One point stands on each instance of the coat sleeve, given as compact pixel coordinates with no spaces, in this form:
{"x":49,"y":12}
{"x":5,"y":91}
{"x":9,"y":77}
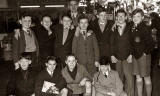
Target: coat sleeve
{"x":149,"y":44}
{"x":62,"y":83}
{"x":86,"y":74}
{"x":112,"y":43}
{"x":15,"y":47}
{"x":96,"y":48}
{"x":11,"y":86}
{"x":39,"y":85}
{"x":119,"y":85}
{"x":74,"y":44}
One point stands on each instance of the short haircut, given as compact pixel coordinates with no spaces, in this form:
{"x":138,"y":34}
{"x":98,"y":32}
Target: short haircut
{"x":72,"y":0}
{"x":101,"y":9}
{"x":23,"y":15}
{"x":104,"y":60}
{"x":65,"y":15}
{"x":70,"y":54}
{"x":121,"y":11}
{"x":82,"y":16}
{"x":46,"y":15}
{"x":51,"y":58}
{"x":25,"y":55}
{"x":138,"y":10}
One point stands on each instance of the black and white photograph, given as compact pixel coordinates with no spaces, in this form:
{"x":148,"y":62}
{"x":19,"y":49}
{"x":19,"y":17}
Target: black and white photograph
{"x":79,"y":47}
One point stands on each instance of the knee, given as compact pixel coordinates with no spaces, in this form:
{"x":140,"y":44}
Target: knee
{"x":88,"y":87}
{"x":64,"y":92}
{"x":147,"y":80}
{"x":123,"y":94}
{"x":139,"y":79}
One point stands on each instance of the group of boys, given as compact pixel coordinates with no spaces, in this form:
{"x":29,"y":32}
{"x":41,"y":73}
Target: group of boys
{"x":127,"y":44}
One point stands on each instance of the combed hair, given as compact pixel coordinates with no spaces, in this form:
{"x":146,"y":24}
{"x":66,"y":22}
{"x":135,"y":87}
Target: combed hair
{"x":52,"y":58}
{"x":70,"y":54}
{"x":25,"y":14}
{"x":82,"y":16}
{"x":101,"y":9}
{"x":46,"y":15}
{"x":25,"y":55}
{"x":65,"y":15}
{"x":138,"y":10}
{"x":121,"y":11}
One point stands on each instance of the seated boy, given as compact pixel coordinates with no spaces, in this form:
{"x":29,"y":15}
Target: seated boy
{"x":50,"y":81}
{"x":76,"y":76}
{"x":106,"y":82}
{"x":23,"y":80}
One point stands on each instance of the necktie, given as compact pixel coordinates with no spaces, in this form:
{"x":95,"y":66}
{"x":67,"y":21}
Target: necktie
{"x":29,"y":32}
{"x":65,"y":34}
{"x":84,"y":33}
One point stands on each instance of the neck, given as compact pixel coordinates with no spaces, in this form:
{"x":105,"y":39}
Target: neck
{"x":101,"y":21}
{"x":70,"y":69}
{"x":25,"y":29}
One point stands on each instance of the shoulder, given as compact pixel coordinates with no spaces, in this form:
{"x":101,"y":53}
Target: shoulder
{"x":64,"y":70}
{"x":42,"y":73}
{"x":80,"y":66}
{"x":96,"y":74}
{"x":114,"y":73}
{"x":57,"y":26}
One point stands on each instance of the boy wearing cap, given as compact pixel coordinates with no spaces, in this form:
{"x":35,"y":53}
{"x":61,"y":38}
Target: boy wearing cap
{"x":107,"y":82}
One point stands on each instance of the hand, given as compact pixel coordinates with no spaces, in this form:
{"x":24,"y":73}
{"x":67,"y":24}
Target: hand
{"x":33,"y":94}
{"x":144,"y":54}
{"x":16,"y":65}
{"x":129,"y":59}
{"x":11,"y":95}
{"x":64,"y":92}
{"x":16,"y":33}
{"x":72,"y":26}
{"x":114,"y":26}
{"x":114,"y":59}
{"x":96,"y":64}
{"x":83,"y":81}
{"x":111,"y":93}
{"x":77,"y":31}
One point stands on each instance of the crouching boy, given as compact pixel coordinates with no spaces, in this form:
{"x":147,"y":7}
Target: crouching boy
{"x":77,"y":77}
{"x":50,"y":81}
{"x":23,"y":79}
{"x":106,"y":82}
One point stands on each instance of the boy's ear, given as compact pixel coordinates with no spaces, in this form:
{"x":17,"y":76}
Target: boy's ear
{"x":61,"y":21}
{"x":41,"y":22}
{"x":98,"y":16}
{"x":30,"y":61}
{"x":20,"y":21}
{"x":66,"y":62}
{"x":46,"y":64}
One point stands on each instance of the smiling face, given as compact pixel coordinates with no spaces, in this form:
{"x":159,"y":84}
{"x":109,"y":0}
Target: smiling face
{"x":26,"y":22}
{"x":46,"y":22}
{"x":104,"y":68}
{"x":102,"y":16}
{"x":121,"y":17}
{"x":24,"y":63}
{"x":71,"y":62}
{"x":83,"y":24}
{"x":73,"y":6}
{"x":51,"y":65}
{"x":137,"y":18}
{"x":66,"y":21}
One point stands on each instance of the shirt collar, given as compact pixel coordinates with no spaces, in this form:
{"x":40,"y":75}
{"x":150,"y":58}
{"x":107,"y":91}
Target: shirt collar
{"x":50,"y":72}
